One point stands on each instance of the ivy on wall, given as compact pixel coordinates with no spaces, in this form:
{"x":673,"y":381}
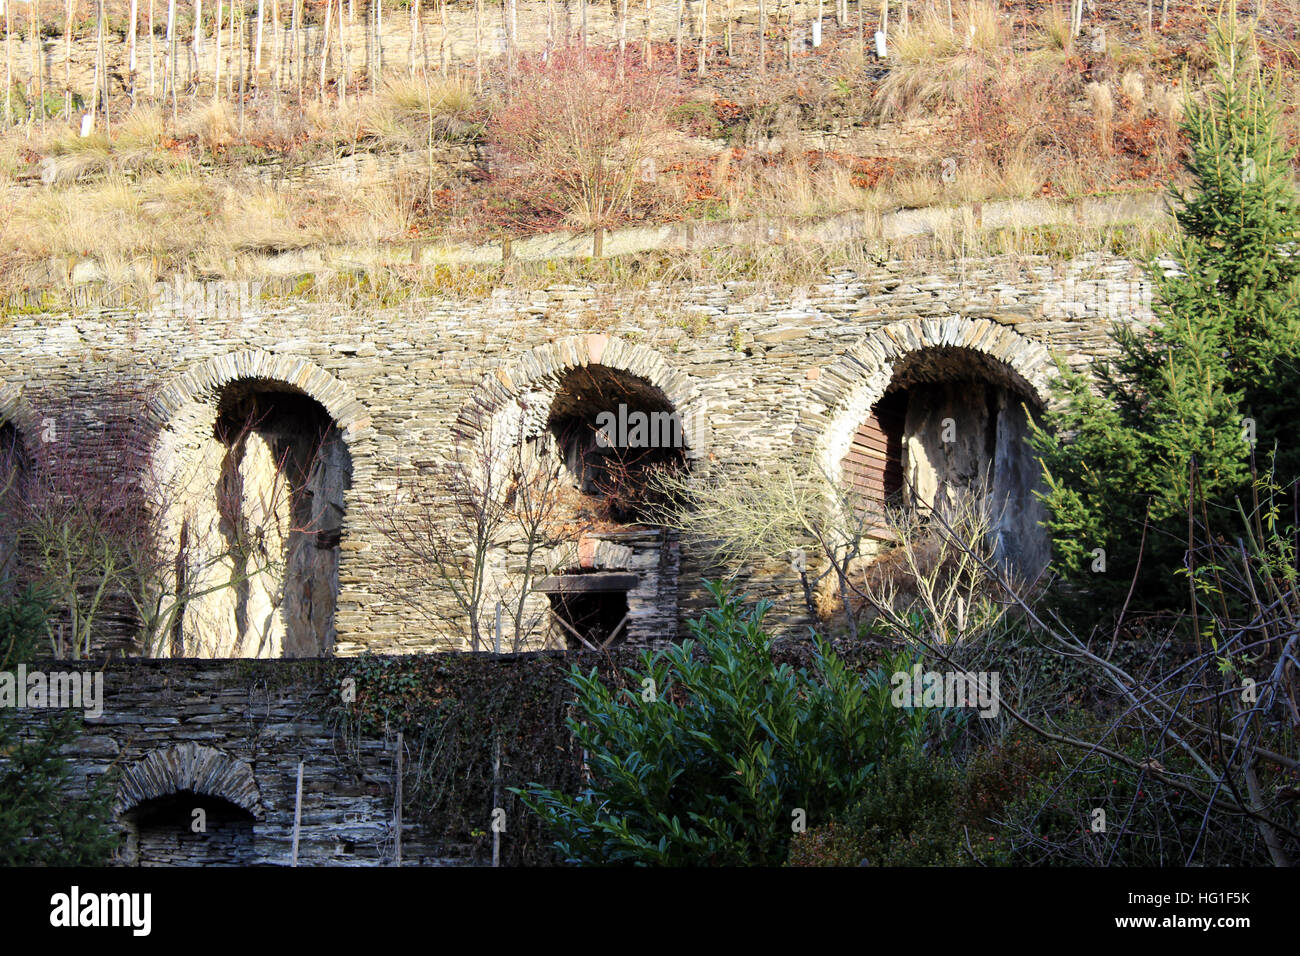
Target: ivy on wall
{"x":454,"y":712}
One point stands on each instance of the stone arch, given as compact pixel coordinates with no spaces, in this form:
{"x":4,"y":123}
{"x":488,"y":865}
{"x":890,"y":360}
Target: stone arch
{"x":15,"y":412}
{"x":526,"y":385}
{"x":199,"y":475}
{"x":848,"y":389}
{"x":203,"y":382}
{"x":19,"y":431}
{"x":519,"y":401}
{"x":188,"y":768}
{"x":922,"y":410}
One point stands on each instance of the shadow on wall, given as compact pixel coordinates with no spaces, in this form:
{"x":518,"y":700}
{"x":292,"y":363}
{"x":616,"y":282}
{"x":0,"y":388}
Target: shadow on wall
{"x":258,"y":539}
{"x":953,"y":421}
{"x":14,"y":470}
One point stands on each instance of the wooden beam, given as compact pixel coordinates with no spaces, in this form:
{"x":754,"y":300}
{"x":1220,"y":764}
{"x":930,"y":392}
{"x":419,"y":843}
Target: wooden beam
{"x":586,"y":583}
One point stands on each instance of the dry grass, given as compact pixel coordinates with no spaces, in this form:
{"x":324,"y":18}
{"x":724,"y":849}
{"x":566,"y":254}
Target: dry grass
{"x":1053,"y":31}
{"x":164,"y":193}
{"x":181,"y":221}
{"x":413,"y":113}
{"x":1101,"y":106}
{"x":790,"y":188}
{"x":936,"y":66}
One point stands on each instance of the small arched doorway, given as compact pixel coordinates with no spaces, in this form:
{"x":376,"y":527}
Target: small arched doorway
{"x":188,"y":804}
{"x":189,"y":829}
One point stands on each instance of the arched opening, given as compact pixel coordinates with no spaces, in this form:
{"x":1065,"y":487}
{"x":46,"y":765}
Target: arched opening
{"x":188,"y":829}
{"x":582,"y":425}
{"x":15,"y":471}
{"x":613,"y":435}
{"x":614,"y":432}
{"x":258,"y":542}
{"x":952,"y":422}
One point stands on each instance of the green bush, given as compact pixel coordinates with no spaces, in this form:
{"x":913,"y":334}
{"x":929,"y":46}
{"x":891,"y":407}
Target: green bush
{"x":713,"y":754}
{"x":908,"y":816}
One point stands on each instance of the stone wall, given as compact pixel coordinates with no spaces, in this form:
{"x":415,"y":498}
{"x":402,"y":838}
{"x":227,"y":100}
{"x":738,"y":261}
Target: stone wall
{"x":757,"y":378}
{"x":227,"y":737}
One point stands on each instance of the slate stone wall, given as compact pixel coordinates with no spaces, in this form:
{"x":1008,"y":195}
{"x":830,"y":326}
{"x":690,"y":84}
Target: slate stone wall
{"x":757,"y":377}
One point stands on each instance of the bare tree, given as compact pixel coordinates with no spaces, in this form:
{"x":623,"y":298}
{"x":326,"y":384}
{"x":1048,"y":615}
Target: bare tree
{"x":578,"y":125}
{"x":122,"y":554}
{"x":474,"y":532}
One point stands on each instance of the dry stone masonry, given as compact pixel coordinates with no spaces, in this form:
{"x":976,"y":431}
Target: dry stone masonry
{"x":756,"y":378}
{"x":302,"y":431}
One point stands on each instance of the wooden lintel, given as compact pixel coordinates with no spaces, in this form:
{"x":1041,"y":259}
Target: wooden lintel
{"x":586,"y":583}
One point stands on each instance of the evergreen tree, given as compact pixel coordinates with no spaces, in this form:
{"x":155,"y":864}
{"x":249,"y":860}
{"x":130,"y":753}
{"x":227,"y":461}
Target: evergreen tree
{"x":1166,"y":427}
{"x":41,"y":822}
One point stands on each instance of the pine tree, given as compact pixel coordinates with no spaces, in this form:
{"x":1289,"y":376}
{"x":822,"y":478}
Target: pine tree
{"x":1164,"y":429}
{"x":41,"y":822}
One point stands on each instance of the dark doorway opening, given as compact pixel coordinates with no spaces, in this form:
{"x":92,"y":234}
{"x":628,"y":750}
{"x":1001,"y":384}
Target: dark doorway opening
{"x":189,"y":829}
{"x":614,"y":432}
{"x":591,"y":609}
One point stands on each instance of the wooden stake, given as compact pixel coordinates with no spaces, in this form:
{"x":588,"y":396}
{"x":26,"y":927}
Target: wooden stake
{"x":789,"y":38}
{"x":153,"y":55}
{"x":622,"y":37}
{"x":277,"y":43}
{"x":415,"y":32}
{"x":397,"y":802}
{"x":9,"y":65}
{"x":34,"y":38}
{"x":243,"y":66}
{"x":762,"y":36}
{"x":132,"y":29}
{"x":324,"y":47}
{"x":197,"y":46}
{"x":298,"y":53}
{"x":478,"y":45}
{"x":67,"y":59}
{"x":257,"y":43}
{"x":704,"y":35}
{"x":297,"y":815}
{"x":496,"y":798}
{"x":169,"y":73}
{"x":216,"y":57}
{"x":379,"y":40}
{"x":345,"y":61}
{"x":230,"y":83}
{"x":681,"y":13}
